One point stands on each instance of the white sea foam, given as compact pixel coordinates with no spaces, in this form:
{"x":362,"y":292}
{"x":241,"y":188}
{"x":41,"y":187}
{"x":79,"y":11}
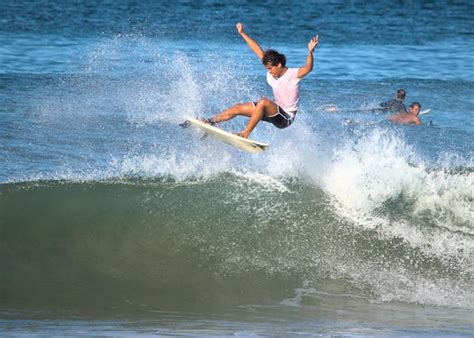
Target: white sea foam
{"x":396,"y":283}
{"x":368,"y":175}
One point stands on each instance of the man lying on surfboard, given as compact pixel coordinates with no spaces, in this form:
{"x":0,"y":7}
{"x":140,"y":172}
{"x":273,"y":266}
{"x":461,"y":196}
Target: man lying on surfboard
{"x":408,"y":117}
{"x":285,"y":84}
{"x":395,"y":105}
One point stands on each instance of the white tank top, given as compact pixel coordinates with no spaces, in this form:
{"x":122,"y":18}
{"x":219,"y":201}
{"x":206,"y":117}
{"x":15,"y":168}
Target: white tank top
{"x":286,"y":90}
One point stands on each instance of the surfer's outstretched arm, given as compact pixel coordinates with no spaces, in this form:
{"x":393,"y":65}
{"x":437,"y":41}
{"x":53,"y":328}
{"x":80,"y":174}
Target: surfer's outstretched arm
{"x":254,"y":46}
{"x":308,"y":67}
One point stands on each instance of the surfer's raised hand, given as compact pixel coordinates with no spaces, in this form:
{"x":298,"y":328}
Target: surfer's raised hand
{"x":240,"y":27}
{"x":254,"y":46}
{"x":308,"y":67}
{"x":313,"y":43}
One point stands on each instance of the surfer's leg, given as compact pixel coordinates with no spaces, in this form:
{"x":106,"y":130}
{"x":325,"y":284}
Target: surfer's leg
{"x":243,"y":109}
{"x":264,"y":107}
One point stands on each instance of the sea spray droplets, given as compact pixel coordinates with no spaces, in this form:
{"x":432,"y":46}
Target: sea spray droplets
{"x":197,"y":163}
{"x":364,"y":174}
{"x":184,"y":91}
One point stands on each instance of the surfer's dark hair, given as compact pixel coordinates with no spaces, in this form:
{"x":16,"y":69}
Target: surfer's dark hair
{"x":274,"y":58}
{"x":401,"y":93}
{"x":413,"y":104}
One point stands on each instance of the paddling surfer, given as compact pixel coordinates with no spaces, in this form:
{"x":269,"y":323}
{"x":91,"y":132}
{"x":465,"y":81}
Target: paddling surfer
{"x":284,"y":81}
{"x":408,"y":117}
{"x":395,"y":105}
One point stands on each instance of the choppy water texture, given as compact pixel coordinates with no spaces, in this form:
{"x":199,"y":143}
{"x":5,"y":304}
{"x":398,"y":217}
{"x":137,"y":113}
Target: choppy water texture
{"x":114,"y":221}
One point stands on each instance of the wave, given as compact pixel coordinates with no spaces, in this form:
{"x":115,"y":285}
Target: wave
{"x":164,"y":236}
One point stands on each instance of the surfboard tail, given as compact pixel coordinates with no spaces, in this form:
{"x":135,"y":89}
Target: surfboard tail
{"x":185,"y":124}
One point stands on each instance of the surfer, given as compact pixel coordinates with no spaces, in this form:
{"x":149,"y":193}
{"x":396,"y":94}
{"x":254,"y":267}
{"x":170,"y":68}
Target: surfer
{"x":284,"y":81}
{"x":395,"y":105}
{"x":408,"y":117}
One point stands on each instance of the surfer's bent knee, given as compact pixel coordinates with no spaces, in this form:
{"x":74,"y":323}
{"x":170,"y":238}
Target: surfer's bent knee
{"x":264,"y":100}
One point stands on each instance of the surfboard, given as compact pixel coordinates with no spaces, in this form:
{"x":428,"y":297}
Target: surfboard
{"x":241,"y":143}
{"x":424,"y":112}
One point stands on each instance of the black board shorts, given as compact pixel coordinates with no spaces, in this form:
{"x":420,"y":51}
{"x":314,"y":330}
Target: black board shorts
{"x":280,"y":120}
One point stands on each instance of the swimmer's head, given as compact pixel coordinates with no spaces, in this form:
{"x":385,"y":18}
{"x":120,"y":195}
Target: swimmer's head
{"x":401,"y":94}
{"x":415,"y":108}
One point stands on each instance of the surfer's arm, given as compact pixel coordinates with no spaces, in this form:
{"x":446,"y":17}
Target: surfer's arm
{"x":394,"y":118}
{"x":254,"y":46}
{"x":308,"y":67}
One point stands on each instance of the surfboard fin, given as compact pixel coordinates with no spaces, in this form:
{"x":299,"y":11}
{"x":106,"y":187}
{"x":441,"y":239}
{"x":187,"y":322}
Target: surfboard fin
{"x":210,"y":121}
{"x":185,"y":124}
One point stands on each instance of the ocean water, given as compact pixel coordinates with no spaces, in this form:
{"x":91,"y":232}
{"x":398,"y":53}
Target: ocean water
{"x":114,"y":221}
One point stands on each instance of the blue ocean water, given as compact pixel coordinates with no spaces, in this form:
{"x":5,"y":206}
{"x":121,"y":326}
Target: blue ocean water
{"x":115,"y":221}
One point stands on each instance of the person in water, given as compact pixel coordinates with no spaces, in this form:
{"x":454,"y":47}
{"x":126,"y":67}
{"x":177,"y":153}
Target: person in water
{"x":408,"y":117}
{"x":395,"y":105}
{"x":285,"y":84}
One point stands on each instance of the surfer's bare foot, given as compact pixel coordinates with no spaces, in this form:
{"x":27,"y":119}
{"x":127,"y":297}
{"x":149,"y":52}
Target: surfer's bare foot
{"x":243,"y":134}
{"x":209,"y":121}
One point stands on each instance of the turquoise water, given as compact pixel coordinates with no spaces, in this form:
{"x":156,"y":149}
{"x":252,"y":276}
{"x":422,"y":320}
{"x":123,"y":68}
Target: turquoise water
{"x":115,"y":221}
